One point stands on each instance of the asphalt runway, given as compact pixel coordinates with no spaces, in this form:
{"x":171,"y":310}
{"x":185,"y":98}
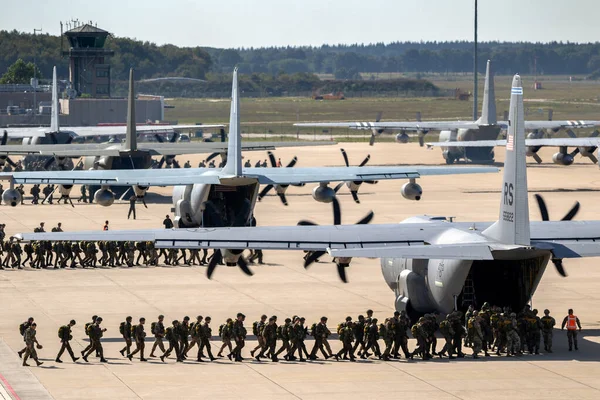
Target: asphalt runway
{"x":284,"y":288}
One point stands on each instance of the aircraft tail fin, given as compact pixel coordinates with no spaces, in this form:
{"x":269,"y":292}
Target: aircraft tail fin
{"x":488,"y":108}
{"x":54,"y":124}
{"x":131,"y":134}
{"x":512,"y":226}
{"x":234,"y":147}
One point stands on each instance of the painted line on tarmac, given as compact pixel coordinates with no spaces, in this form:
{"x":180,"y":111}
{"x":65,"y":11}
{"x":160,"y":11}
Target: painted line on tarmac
{"x":6,"y":391}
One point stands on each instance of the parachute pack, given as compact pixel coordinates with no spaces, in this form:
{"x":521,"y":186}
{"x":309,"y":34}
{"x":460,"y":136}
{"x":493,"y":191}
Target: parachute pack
{"x":122,"y":328}
{"x":153,"y":328}
{"x":61,"y":332}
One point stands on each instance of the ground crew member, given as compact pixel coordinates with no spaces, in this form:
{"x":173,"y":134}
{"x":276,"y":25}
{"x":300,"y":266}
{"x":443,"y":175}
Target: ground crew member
{"x":132,"y":201}
{"x":572,"y":323}
{"x":22,"y":329}
{"x":140,"y":340}
{"x":125,"y":330}
{"x":547,"y":330}
{"x":205,"y":333}
{"x":32,"y":344}
{"x":105,"y":227}
{"x":167,"y":222}
{"x":158,"y":330}
{"x":64,"y":334}
{"x":225,"y":332}
{"x":96,"y":333}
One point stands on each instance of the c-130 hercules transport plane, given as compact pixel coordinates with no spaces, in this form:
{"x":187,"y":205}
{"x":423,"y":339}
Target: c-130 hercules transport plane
{"x":430,"y":263}
{"x":215,"y":197}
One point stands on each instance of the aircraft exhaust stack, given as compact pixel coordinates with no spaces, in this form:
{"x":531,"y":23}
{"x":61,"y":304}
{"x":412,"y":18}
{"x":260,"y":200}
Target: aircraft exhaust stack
{"x":512,"y":227}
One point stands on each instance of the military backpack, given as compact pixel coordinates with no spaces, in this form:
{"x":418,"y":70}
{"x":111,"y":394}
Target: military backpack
{"x":23,"y":327}
{"x":122,"y":328}
{"x":61,"y":331}
{"x":153,"y":328}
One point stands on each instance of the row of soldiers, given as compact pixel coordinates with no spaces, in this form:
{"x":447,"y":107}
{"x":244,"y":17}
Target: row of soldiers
{"x":357,"y":338}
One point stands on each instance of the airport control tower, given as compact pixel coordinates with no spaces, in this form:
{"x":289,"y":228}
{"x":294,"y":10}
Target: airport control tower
{"x":89,"y":71}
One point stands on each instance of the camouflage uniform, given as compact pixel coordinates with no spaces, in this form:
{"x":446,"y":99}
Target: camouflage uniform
{"x":547,"y":327}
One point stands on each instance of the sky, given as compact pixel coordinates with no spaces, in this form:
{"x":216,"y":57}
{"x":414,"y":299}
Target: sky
{"x":260,"y":23}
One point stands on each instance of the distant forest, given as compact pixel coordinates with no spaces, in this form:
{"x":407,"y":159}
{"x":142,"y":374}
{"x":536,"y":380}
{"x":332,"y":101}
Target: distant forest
{"x":280,"y":70}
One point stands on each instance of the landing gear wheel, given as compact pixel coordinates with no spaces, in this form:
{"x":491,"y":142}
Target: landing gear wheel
{"x":449,"y":160}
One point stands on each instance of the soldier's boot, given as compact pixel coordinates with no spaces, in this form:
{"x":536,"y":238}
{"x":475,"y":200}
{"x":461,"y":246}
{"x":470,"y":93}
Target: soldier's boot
{"x":38,"y":362}
{"x":75,"y":359}
{"x":58,"y":360}
{"x":25,"y":361}
{"x":20,"y":353}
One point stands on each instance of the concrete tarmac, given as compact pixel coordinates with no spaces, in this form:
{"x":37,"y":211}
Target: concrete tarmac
{"x":284,"y":288}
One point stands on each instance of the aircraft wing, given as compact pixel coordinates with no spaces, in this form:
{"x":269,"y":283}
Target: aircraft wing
{"x":556,"y":125}
{"x":406,"y":126}
{"x":567,"y":239}
{"x":185,"y":176}
{"x":550,"y":142}
{"x":85,"y":131}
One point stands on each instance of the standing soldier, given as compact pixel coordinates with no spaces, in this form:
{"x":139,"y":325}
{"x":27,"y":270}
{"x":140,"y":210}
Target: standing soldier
{"x":64,"y":334}
{"x":448,"y":332}
{"x":459,"y":333}
{"x":359,"y":335}
{"x":572,"y":323}
{"x":283,"y":335}
{"x":257,"y":330}
{"x":96,"y":333}
{"x":534,"y":330}
{"x":173,"y":338}
{"x":22,"y":329}
{"x":125,"y":331}
{"x":140,"y":340}
{"x":83,"y":196}
{"x":32,"y":343}
{"x":35,"y":193}
{"x":183,"y":333}
{"x":547,"y":328}
{"x":388,"y":337}
{"x":205,"y":335}
{"x":194,"y":333}
{"x":371,"y":337}
{"x":132,"y":201}
{"x":158,"y":330}
{"x":513,"y":340}
{"x":239,"y":335}
{"x":270,"y":339}
{"x":346,"y":337}
{"x":225,"y":331}
{"x":476,"y":333}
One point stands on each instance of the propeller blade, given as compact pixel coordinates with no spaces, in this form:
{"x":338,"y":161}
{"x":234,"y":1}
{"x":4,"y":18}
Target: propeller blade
{"x":161,"y":162}
{"x":559,"y":267}
{"x":337,"y":212}
{"x":176,"y":163}
{"x":593,"y":158}
{"x":575,"y":152}
{"x":355,"y":196}
{"x":211,"y":156}
{"x":283,"y":199}
{"x":272,"y":159}
{"x":69,"y":140}
{"x":365,"y":161}
{"x":537,"y":158}
{"x":338,"y":186}
{"x":241,"y":262}
{"x":370,"y":182}
{"x":572,"y":212}
{"x":345,"y":157}
{"x":53,"y":138}
{"x":48,"y":162}
{"x":174,"y":137}
{"x":4,"y":138}
{"x":214,"y":261}
{"x":292,"y":163}
{"x":421,"y":139}
{"x":378,"y":117}
{"x":159,"y":138}
{"x":222,"y":134}
{"x":11,"y":162}
{"x":312,"y":257}
{"x":304,"y":222}
{"x":543,"y":208}
{"x":264,"y":192}
{"x":372,"y":139}
{"x":342,"y":273}
{"x":366,"y":219}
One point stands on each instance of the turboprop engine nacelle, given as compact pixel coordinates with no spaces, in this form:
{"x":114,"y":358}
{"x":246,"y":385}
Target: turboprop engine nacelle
{"x":562,"y":158}
{"x":65,"y":190}
{"x":12,"y":197}
{"x":104,"y":196}
{"x":187,"y":204}
{"x":402,"y":137}
{"x":323,"y":193}
{"x":411,"y":191}
{"x":140,"y":191}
